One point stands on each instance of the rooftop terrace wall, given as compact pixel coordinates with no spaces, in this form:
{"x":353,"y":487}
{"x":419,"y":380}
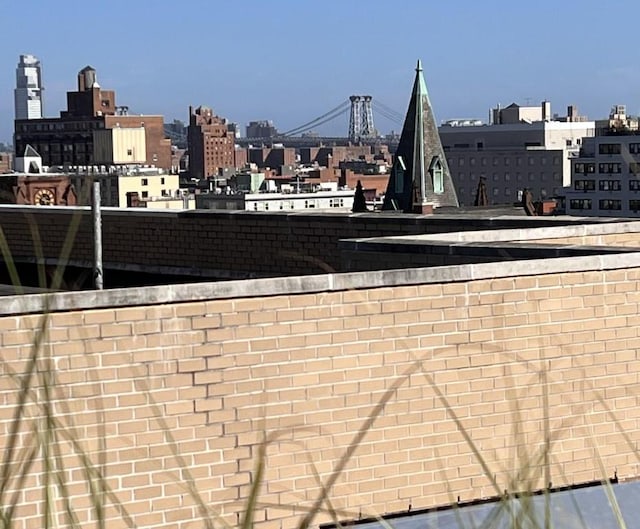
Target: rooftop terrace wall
{"x":225,"y":245}
{"x":494,"y":354}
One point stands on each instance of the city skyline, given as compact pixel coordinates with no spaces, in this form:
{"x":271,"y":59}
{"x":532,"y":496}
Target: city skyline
{"x":290,"y":62}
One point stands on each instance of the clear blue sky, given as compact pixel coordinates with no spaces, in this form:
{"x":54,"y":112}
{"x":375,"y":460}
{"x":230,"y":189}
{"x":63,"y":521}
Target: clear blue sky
{"x":292,"y":60}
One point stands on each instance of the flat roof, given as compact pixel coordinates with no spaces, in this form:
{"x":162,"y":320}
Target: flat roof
{"x":594,"y":506}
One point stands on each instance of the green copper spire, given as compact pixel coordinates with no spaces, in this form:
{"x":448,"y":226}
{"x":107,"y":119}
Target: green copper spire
{"x":420,"y":175}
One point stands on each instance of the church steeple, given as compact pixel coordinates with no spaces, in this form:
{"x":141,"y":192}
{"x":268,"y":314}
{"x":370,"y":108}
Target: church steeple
{"x":420,"y":177}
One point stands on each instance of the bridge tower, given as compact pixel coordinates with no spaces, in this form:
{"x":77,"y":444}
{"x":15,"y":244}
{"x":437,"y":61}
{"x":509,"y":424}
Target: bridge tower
{"x":355,"y":119}
{"x":361,"y":119}
{"x":367,"y":130}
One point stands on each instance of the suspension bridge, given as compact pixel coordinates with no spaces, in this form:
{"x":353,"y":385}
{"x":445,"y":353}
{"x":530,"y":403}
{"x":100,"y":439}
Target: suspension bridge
{"x":361,"y":118}
{"x":361,"y":125}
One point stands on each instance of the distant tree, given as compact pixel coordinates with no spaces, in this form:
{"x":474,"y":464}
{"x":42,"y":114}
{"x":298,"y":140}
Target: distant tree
{"x":359,"y":201}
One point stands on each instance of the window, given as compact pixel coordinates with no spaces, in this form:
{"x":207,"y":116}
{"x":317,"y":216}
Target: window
{"x":437,"y":175}
{"x":634,"y":148}
{"x":634,"y":167}
{"x":584,"y":185}
{"x":634,"y":205}
{"x":610,"y":168}
{"x":634,"y":185}
{"x":580,"y":203}
{"x":569,"y":143}
{"x":609,"y":185}
{"x":162,"y":181}
{"x":608,"y":204}
{"x":145,"y":194}
{"x":584,"y":168}
{"x":129,"y":152}
{"x":609,"y":148}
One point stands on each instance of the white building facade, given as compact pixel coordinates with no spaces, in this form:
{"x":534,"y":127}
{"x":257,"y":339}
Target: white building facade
{"x":605,"y":178}
{"x":341,"y":200}
{"x":28,"y":92}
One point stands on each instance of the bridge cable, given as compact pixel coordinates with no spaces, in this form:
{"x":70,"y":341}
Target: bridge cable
{"x":322,"y":122}
{"x":340,"y":108}
{"x":390,"y":117}
{"x":388,"y":109}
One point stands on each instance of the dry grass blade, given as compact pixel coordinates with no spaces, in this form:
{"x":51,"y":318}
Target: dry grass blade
{"x":463,"y":431}
{"x":353,"y":445}
{"x":252,"y":500}
{"x":23,"y":393}
{"x":37,"y":246}
{"x":10,"y":263}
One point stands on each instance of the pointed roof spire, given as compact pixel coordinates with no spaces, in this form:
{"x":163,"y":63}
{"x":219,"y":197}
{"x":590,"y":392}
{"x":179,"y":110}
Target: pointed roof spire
{"x":420,"y":174}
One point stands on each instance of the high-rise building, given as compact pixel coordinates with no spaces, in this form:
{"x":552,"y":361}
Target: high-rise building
{"x":28,"y":92}
{"x":211,"y":144}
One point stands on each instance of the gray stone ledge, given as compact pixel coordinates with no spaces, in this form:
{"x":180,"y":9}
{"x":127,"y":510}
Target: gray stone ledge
{"x":183,"y":293}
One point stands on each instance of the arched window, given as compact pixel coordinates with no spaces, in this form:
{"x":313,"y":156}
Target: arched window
{"x":437,"y":175}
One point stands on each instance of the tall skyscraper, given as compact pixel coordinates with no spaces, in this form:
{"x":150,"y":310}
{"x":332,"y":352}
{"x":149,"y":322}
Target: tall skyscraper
{"x":28,"y":92}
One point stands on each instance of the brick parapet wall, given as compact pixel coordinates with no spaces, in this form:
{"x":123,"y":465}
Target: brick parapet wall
{"x":223,"y":244}
{"x":312,"y":366}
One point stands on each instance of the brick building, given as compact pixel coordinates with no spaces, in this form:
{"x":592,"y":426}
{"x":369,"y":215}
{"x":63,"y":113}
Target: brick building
{"x":211,"y":143}
{"x":332,"y":156}
{"x":272,"y":157}
{"x":263,"y":129}
{"x":5,"y":162}
{"x":68,"y":141}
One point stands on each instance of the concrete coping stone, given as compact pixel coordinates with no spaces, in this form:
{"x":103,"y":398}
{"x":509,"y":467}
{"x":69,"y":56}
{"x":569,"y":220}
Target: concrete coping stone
{"x":524,"y":235}
{"x":183,"y":293}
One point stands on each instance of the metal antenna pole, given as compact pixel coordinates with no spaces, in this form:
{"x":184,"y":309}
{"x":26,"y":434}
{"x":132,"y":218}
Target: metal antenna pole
{"x":97,"y":237}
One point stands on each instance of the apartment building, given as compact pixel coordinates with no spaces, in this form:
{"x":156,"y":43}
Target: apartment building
{"x":523,"y":147}
{"x":605,"y":177}
{"x":211,"y":143}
